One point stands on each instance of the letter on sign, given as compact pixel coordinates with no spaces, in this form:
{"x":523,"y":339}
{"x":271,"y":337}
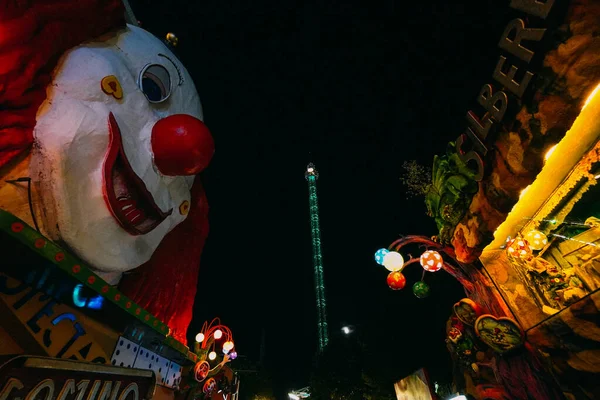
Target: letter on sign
{"x":494,"y":103}
{"x":468,"y":156}
{"x":513,"y":46}
{"x":45,"y":384}
{"x":534,"y":7}
{"x":508,"y":79}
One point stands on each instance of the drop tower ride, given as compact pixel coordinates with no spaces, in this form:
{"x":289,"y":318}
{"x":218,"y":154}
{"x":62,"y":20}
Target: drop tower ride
{"x":311,"y":176}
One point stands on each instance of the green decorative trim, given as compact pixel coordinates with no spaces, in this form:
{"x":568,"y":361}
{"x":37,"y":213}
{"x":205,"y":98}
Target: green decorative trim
{"x":78,"y":270}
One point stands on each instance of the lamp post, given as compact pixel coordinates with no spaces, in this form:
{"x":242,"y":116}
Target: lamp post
{"x":347,"y":329}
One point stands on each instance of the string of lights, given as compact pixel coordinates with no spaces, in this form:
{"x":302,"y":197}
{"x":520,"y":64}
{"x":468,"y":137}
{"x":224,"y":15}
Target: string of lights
{"x":311,"y":176}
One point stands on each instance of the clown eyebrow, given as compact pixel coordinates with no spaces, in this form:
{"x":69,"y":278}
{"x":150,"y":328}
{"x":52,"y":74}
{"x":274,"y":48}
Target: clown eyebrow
{"x":176,"y":68}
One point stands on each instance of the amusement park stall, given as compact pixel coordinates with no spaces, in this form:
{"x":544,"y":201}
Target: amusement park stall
{"x":103,"y":216}
{"x":517,"y":204}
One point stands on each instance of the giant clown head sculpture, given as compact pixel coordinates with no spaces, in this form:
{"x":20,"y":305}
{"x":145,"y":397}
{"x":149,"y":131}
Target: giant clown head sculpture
{"x":114,"y":125}
{"x":119,"y":140}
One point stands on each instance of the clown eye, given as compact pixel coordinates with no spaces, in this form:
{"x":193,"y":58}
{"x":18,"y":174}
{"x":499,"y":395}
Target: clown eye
{"x":155,"y":82}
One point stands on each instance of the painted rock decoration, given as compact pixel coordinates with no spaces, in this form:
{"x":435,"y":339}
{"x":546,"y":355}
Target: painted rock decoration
{"x":396,"y":280}
{"x":108,"y":124}
{"x":501,"y":334}
{"x":431,"y":261}
{"x":467,"y":311}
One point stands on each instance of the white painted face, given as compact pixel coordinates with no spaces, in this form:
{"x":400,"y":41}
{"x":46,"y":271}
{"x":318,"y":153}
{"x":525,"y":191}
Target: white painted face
{"x":101,"y":191}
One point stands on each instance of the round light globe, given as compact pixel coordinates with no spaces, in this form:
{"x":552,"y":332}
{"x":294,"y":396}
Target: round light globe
{"x":218,"y":334}
{"x":212,"y":355}
{"x":200,"y":337}
{"x":379,"y":255}
{"x":537,"y":240}
{"x":431,"y":261}
{"x":393,"y":261}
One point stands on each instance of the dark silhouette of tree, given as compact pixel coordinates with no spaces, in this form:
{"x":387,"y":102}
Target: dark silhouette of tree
{"x":347,"y":370}
{"x":255,"y":381}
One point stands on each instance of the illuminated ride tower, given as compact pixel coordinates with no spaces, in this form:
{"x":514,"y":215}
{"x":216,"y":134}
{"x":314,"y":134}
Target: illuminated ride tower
{"x":311,"y":176}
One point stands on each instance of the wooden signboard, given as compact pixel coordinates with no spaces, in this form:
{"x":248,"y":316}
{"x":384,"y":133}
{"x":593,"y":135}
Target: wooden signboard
{"x":42,"y":378}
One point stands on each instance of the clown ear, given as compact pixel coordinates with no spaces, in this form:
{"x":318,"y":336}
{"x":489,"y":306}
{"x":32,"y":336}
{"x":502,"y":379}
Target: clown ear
{"x":33,"y":36}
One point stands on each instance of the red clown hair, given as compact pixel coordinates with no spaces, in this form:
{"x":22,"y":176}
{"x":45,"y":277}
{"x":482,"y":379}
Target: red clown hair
{"x":34,"y":34}
{"x":166,"y":285}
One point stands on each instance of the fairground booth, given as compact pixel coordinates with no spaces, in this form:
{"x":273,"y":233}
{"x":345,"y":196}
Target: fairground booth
{"x":516,"y":200}
{"x":102,"y":212}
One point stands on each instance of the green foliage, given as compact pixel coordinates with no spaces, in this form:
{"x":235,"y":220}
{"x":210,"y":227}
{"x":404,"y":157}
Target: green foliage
{"x":448,"y":189}
{"x":255,"y":381}
{"x":453,"y":188}
{"x":416,"y":178}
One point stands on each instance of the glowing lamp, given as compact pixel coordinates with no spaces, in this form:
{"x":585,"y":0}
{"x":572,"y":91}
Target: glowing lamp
{"x":421,"y":289}
{"x":200,"y":337}
{"x":536,"y":239}
{"x":218,"y":334}
{"x":380,"y":255}
{"x":212,"y":355}
{"x":233,"y":355}
{"x":228,"y":345}
{"x":172,"y":39}
{"x":549,"y":153}
{"x":518,"y":247}
{"x":396,"y":280}
{"x":393,"y":261}
{"x":431,"y":261}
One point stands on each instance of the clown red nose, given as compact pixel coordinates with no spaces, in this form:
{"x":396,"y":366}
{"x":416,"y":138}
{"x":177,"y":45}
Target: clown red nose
{"x":182,"y":145}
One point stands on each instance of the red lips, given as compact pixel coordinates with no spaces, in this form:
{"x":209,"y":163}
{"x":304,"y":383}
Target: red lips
{"x":126,"y":195}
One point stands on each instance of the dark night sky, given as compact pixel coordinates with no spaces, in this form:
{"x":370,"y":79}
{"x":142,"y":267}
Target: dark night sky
{"x":358,"y":87}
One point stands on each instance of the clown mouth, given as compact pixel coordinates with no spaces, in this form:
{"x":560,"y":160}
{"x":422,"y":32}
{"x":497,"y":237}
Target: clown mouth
{"x":126,"y":195}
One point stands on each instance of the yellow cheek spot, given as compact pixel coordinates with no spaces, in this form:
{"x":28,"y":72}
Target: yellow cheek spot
{"x":111,"y":86}
{"x":184,"y":207}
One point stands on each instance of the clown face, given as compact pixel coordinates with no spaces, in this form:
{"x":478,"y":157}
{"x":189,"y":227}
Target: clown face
{"x":117,"y":143}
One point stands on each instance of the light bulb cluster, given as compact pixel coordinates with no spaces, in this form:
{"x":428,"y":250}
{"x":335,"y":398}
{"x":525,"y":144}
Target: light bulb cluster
{"x":430,"y":260}
{"x":211,"y":336}
{"x":524,"y":246}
